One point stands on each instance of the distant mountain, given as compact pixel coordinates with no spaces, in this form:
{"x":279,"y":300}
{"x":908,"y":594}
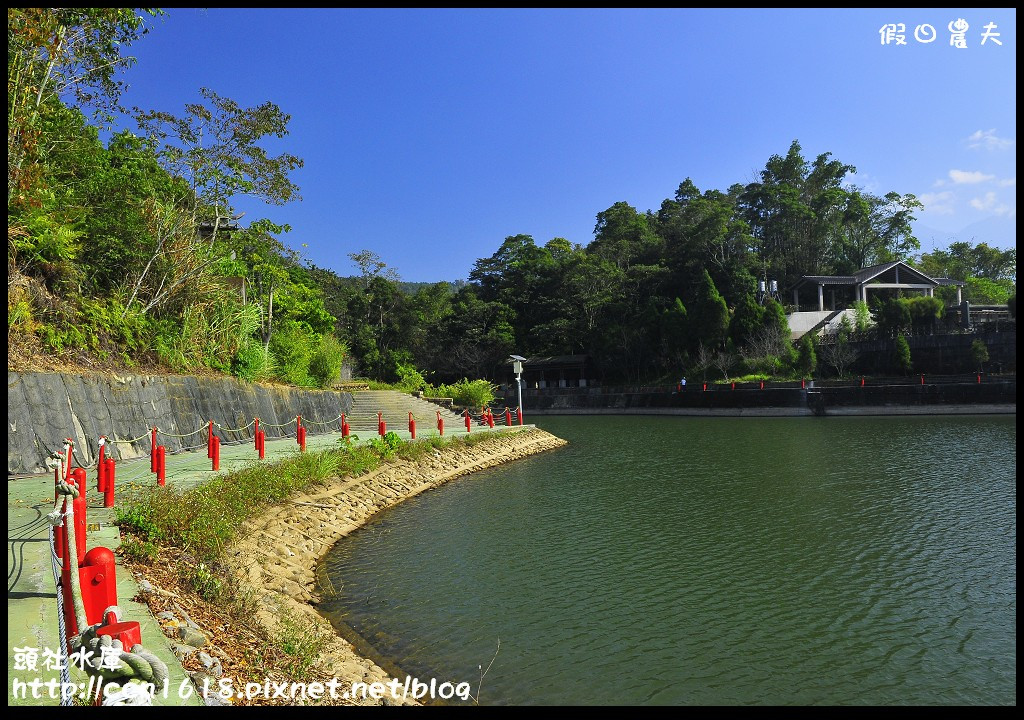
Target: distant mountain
{"x":411,"y":288}
{"x":996,"y":231}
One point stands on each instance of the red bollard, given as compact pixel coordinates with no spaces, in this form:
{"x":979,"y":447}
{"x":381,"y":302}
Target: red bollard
{"x":467,"y":421}
{"x":705,"y":387}
{"x":302,"y":439}
{"x":412,"y":426}
{"x":101,"y":468}
{"x":344,"y":426}
{"x":922,"y":378}
{"x":256,"y":435}
{"x":862,"y":381}
{"x":508,"y":417}
{"x":128,"y":632}
{"x":519,"y":415}
{"x":161,"y":465}
{"x":108,"y":483}
{"x":490,"y":418}
{"x":209,"y":440}
{"x":382,"y":426}
{"x":440,"y":423}
{"x":98,"y":578}
{"x":152,"y":450}
{"x":78,"y":475}
{"x":262,"y":446}
{"x":979,"y":378}
{"x":802,"y":386}
{"x":733,"y":386}
{"x":81,"y":508}
{"x":298,"y":430}
{"x":216,"y":453}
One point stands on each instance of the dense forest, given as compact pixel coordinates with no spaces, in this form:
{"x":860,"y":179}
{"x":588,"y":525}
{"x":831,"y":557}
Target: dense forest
{"x":128,"y":253}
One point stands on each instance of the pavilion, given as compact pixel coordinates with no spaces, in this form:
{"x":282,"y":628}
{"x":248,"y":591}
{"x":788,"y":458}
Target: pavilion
{"x":896,"y":275}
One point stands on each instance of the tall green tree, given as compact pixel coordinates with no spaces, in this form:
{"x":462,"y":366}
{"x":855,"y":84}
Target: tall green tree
{"x":55,"y":55}
{"x":709,"y":315}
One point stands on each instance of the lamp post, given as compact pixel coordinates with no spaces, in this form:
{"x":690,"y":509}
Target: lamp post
{"x":517,"y":368}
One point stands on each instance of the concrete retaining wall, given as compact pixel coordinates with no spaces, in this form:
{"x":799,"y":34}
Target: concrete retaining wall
{"x":45,"y":408}
{"x":749,"y":399}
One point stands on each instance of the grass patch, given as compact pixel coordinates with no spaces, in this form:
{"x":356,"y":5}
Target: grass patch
{"x":189,"y":529}
{"x":203,"y":520}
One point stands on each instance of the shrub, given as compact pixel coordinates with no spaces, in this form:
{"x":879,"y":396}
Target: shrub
{"x":979,"y":354}
{"x":925,"y":311}
{"x":409,"y":378}
{"x":253,"y":362}
{"x":807,"y":359}
{"x":325,"y":361}
{"x":469,"y":393}
{"x":862,"y":315}
{"x":903,"y":354}
{"x":292,"y":345}
{"x":894,"y":316}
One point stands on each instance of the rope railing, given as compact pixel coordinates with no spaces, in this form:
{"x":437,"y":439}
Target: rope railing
{"x":168,"y":434}
{"x":262,"y":424}
{"x":487,"y":417}
{"x":218,"y":425}
{"x":89,"y":620}
{"x":143,"y":436}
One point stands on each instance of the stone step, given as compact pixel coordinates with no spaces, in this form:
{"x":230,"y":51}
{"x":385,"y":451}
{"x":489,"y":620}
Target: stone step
{"x":395,"y":408}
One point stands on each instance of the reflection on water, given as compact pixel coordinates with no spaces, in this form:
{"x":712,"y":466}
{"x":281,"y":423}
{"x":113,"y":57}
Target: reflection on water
{"x":675,"y":560}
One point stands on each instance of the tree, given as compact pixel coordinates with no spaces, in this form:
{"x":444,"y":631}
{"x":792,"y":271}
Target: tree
{"x":371,"y":266}
{"x":72,"y":54}
{"x":893,"y":316}
{"x":807,"y":360}
{"x":709,"y":313}
{"x":990,"y":274}
{"x":747,"y":318}
{"x":979,"y":354}
{"x":793,"y":213}
{"x":215,"y":148}
{"x":624,"y":236}
{"x":875,"y":230}
{"x":839,"y":354}
{"x":902,"y":355}
{"x":925,"y":311}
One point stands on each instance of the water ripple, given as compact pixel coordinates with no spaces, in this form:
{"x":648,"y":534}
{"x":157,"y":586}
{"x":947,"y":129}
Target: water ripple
{"x":711,"y":561}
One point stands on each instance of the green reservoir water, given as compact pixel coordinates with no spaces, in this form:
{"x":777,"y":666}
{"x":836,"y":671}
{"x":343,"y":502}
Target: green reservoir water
{"x":677,"y":560}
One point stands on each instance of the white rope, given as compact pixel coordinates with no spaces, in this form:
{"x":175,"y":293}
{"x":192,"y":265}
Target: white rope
{"x":217,"y":424}
{"x":137,"y":664}
{"x":62,"y":633}
{"x":278,"y":426}
{"x":164,"y":432}
{"x":133,"y":440}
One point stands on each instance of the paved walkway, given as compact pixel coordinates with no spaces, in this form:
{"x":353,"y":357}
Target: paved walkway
{"x":31,"y":595}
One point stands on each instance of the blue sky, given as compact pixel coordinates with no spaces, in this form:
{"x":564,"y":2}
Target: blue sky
{"x":429,"y":135}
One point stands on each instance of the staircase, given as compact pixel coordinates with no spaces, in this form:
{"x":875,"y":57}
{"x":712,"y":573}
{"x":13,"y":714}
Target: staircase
{"x":396,"y":407}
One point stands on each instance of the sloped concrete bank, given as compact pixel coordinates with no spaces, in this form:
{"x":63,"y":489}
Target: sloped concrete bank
{"x":277,"y":560}
{"x":45,"y":408}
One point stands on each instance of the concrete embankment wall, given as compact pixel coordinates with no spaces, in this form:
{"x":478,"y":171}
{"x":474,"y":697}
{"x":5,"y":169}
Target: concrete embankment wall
{"x":748,"y":399}
{"x":45,"y":408}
